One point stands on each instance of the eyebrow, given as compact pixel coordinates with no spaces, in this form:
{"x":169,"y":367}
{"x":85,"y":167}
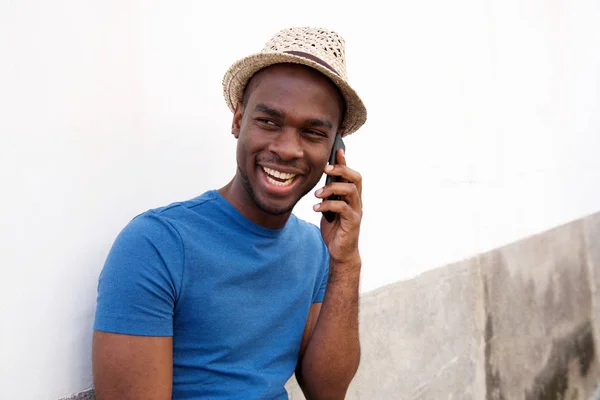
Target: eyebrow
{"x":268,"y":110}
{"x":314,"y":122}
{"x":319,"y":123}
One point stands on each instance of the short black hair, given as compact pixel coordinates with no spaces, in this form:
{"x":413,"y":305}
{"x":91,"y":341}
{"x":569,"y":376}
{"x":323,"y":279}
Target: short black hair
{"x":252,"y":84}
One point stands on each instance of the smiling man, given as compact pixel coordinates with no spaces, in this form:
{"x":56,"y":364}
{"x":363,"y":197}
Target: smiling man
{"x":226,"y":295}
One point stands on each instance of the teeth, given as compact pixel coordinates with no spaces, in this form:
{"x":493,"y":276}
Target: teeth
{"x":278,"y":174}
{"x":277,"y":183}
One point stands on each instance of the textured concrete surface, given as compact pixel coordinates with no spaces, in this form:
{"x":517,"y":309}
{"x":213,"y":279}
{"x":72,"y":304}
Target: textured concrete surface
{"x":519,"y":322}
{"x":421,"y":339}
{"x":85,"y":395}
{"x":591,"y":231}
{"x":538,"y":332}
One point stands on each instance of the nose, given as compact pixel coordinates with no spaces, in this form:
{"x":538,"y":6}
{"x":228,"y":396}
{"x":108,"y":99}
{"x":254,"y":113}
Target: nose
{"x":287,"y":145}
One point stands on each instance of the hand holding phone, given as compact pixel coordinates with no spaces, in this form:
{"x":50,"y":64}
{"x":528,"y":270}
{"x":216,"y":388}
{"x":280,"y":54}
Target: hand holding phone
{"x":338,"y":144}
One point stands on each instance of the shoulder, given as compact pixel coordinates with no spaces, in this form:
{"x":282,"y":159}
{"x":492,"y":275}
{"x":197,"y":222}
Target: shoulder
{"x":169,"y":217}
{"x":150,"y":226}
{"x":168,"y":227}
{"x":149,"y":239}
{"x":179,"y":210}
{"x":159,"y":226}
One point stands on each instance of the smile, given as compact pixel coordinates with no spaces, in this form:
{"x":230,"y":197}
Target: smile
{"x":278,"y":178}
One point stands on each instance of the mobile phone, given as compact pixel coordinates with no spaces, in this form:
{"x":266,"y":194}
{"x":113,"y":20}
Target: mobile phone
{"x":338,"y":144}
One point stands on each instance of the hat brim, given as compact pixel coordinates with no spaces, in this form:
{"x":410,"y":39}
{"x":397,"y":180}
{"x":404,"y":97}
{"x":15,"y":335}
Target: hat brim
{"x":237,"y":76}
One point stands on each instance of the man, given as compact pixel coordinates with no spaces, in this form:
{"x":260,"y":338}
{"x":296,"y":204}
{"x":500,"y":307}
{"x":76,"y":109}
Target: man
{"x":226,"y":295}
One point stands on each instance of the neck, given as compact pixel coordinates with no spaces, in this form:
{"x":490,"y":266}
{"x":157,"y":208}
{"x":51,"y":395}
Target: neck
{"x":235,"y":193}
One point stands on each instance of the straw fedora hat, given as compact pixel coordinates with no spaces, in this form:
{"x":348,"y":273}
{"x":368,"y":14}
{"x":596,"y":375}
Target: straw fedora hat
{"x":318,"y":48}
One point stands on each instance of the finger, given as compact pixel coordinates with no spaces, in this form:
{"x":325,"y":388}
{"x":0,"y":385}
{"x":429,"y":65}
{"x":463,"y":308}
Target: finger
{"x":348,"y":192}
{"x":341,"y":157}
{"x":345,"y":173}
{"x":339,"y":207}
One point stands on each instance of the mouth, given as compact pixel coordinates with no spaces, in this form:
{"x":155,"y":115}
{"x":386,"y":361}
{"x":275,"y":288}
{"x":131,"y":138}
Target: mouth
{"x":279,"y":183}
{"x":279,"y":178}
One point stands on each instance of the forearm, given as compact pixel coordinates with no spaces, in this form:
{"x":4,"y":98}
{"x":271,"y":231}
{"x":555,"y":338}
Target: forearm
{"x":333,"y":353}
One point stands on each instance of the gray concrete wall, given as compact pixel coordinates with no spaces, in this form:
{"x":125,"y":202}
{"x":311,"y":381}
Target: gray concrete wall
{"x":518,"y":322}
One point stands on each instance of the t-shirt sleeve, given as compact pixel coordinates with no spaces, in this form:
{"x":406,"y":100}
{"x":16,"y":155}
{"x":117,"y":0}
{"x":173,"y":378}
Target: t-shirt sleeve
{"x":141,"y":278}
{"x":324,"y":276}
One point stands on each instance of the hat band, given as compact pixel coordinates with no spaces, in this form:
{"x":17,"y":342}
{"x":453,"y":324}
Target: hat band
{"x":312,"y":58}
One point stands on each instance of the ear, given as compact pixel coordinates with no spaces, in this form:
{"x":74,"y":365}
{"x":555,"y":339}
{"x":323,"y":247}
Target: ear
{"x":237,"y":120}
{"x":341,"y":131}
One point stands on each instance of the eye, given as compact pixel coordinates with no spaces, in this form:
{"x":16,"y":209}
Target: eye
{"x":266,"y":124}
{"x":316,"y":133}
{"x":266,"y":121}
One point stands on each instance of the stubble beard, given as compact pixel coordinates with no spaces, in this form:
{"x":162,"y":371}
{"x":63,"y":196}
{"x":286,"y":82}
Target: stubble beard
{"x":259,"y":203}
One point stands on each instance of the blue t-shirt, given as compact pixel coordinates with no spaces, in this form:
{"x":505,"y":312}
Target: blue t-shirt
{"x":234,"y":295}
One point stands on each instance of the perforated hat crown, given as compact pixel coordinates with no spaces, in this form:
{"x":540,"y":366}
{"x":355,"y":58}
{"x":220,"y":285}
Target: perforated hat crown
{"x":317,"y":48}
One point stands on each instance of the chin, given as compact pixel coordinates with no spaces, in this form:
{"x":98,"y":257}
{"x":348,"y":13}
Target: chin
{"x":269,"y":201}
{"x":274,"y":209}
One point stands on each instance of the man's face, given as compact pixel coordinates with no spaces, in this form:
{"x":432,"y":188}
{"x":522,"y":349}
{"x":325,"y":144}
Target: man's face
{"x":285,"y":133}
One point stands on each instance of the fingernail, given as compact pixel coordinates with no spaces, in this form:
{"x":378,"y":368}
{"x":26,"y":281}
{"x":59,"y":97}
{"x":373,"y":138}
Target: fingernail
{"x":318,"y":192}
{"x":316,"y":207}
{"x":329,"y":168}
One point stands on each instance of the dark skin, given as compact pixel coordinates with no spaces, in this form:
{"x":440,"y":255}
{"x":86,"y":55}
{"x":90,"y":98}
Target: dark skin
{"x":286,"y":127}
{"x":287,"y":123}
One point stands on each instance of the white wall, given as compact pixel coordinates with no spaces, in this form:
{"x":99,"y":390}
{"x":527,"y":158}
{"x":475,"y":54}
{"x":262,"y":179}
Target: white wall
{"x":484,"y":127}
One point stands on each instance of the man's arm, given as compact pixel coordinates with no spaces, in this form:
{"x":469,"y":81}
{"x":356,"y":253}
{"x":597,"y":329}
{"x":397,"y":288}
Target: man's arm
{"x":137,"y":290}
{"x":330,"y":351}
{"x":128,"y":367}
